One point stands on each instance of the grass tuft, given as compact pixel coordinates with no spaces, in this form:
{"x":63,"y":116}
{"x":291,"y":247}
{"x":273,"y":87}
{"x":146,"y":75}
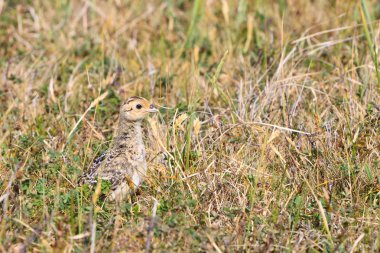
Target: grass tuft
{"x":267,"y":137}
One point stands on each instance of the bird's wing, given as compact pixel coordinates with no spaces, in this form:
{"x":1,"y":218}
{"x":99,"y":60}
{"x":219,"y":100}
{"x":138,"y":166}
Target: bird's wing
{"x":116,"y":169}
{"x":90,"y":175}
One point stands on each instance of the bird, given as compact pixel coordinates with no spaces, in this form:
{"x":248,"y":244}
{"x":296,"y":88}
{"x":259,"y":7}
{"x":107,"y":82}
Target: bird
{"x":124,"y":165}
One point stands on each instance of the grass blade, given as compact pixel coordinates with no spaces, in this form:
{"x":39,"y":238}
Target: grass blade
{"x":195,"y":17}
{"x":368,"y":31}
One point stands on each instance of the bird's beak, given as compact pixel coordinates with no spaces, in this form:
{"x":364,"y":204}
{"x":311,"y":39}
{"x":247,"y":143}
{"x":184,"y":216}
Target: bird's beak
{"x":152,"y":109}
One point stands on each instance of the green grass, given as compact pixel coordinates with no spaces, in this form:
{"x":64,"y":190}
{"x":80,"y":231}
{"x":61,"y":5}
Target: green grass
{"x":267,"y":137}
{"x":368,"y":31}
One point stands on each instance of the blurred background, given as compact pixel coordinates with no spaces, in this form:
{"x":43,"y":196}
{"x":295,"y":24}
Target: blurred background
{"x":267,"y":139}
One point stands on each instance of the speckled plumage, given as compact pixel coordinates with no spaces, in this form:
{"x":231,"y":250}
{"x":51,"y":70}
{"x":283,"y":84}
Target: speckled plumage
{"x":124,"y":165}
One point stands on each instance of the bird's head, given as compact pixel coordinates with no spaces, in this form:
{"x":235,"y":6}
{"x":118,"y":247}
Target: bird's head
{"x":136,"y":109}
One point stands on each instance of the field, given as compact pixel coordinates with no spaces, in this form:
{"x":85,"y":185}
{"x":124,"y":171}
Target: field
{"x":267,"y":139}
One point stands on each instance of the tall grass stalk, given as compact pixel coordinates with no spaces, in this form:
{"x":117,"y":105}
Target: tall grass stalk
{"x":368,"y":31}
{"x":195,"y":17}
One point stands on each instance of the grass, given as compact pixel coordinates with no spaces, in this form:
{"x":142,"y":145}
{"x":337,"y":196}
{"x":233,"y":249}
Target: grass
{"x":267,"y":137}
{"x":368,"y":34}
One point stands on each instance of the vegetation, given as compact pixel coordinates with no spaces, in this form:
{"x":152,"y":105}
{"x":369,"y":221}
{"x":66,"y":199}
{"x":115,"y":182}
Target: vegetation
{"x":267,"y":139}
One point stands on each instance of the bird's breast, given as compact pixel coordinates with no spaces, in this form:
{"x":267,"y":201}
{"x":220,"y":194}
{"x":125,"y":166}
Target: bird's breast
{"x":136,"y":154}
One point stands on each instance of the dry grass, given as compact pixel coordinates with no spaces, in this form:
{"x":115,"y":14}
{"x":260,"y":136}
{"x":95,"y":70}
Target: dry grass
{"x":268,"y":138}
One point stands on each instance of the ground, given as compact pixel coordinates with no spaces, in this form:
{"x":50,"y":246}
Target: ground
{"x":267,"y":139}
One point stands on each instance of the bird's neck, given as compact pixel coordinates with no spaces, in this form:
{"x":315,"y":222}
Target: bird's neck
{"x":128,"y":130}
{"x":129,"y":137}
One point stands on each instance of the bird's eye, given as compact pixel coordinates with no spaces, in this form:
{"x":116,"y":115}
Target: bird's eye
{"x":138,"y":106}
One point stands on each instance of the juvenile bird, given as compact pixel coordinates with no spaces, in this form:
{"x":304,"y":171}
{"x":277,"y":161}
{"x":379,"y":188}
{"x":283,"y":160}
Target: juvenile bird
{"x":124,"y":165}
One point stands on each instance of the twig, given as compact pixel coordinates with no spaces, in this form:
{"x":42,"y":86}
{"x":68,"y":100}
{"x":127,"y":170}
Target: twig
{"x":321,"y":211}
{"x":356,"y":242}
{"x":214,"y":243}
{"x":278,"y":127}
{"x":151,"y":226}
{"x":93,"y":236}
{"x":4,"y":198}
